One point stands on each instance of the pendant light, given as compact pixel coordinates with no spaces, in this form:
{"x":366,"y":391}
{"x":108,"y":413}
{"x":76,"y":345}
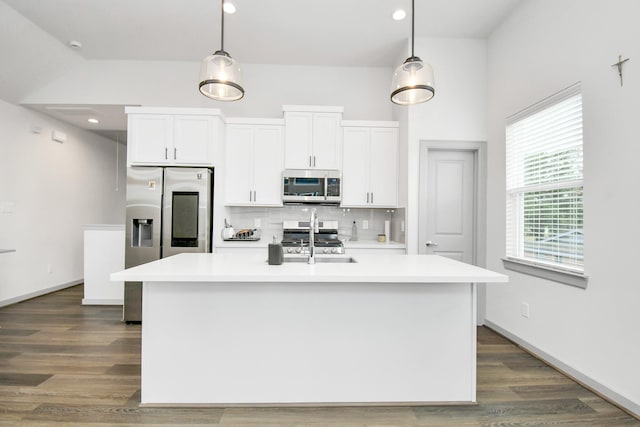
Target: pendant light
{"x":412,"y":81}
{"x":220,"y":74}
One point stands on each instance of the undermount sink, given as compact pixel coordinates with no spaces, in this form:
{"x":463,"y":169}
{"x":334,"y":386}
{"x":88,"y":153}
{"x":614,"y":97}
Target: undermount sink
{"x":319,"y":260}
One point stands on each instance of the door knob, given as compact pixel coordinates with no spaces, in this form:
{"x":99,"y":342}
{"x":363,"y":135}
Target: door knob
{"x":430,"y":243}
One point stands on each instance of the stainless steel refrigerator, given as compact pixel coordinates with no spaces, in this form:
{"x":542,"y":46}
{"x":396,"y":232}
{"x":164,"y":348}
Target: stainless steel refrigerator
{"x":169,"y":211}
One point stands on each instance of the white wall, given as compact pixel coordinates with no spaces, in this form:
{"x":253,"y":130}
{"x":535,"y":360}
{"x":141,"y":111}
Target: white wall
{"x":53,"y":189}
{"x":547,"y":45}
{"x":457,"y":112}
{"x":363,"y":91}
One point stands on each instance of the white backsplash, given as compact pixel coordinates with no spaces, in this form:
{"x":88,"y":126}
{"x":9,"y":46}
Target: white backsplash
{"x":270,"y":220}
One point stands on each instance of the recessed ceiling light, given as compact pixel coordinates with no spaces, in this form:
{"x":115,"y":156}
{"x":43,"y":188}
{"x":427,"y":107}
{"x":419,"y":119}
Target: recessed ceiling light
{"x":229,"y":8}
{"x":399,"y":15}
{"x":93,"y":120}
{"x":75,"y":44}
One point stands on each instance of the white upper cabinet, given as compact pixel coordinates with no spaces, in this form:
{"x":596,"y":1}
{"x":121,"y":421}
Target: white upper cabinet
{"x":161,"y":136}
{"x":370,"y":164}
{"x":253,"y":163}
{"x":313,"y":137}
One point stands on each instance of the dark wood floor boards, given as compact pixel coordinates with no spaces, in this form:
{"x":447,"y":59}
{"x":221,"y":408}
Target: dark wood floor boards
{"x":64,"y":364}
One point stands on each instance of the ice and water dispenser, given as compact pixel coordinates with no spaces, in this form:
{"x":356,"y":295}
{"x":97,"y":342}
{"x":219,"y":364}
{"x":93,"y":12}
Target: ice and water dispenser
{"x":142,"y":233}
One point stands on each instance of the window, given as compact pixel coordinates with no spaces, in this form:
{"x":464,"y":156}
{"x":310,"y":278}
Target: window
{"x":544,"y":183}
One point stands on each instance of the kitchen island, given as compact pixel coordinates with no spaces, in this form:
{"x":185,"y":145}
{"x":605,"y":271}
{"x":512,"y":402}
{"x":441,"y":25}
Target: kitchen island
{"x":221,"y":330}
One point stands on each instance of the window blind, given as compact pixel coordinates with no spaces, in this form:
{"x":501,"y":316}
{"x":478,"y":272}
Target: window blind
{"x":544,"y":182}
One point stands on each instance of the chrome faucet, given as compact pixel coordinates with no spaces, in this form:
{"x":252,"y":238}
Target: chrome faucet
{"x":314,"y":227}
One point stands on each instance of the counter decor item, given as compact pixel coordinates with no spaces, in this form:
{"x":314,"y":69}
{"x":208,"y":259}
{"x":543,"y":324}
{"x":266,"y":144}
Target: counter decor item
{"x":382,"y":238}
{"x":387,"y":230}
{"x":354,"y":232}
{"x":227,"y":232}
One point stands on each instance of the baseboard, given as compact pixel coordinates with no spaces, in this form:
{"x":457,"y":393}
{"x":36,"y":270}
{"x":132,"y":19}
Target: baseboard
{"x":40,"y":292}
{"x":622,"y":402}
{"x":102,"y":301}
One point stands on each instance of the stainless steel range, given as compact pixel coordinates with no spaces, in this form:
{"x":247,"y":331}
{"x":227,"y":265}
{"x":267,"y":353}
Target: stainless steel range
{"x":295,"y":238}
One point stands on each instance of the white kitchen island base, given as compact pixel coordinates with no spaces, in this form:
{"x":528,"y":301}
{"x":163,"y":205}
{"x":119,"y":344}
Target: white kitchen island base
{"x":307,"y":335}
{"x":223,"y":343}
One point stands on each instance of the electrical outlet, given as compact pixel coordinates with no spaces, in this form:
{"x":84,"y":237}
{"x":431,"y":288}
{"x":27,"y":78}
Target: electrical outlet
{"x":365,"y":224}
{"x":256,"y":223}
{"x":525,"y":310}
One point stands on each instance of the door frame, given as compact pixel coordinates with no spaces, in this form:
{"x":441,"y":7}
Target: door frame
{"x":479,"y":150}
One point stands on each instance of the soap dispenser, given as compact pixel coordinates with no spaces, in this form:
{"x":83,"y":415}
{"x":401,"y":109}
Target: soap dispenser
{"x":354,"y":232}
{"x":276,"y":254}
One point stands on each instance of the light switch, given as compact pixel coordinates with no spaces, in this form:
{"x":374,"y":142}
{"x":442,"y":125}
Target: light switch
{"x":7,"y":207}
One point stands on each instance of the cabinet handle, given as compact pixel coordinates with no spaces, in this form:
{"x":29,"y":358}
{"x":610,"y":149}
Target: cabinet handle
{"x":175,"y":151}
{"x":254,"y":196}
{"x":367,"y":197}
{"x":250,"y":196}
{"x":166,"y":153}
{"x":309,"y":161}
{"x":372,"y":197}
{"x":314,"y":161}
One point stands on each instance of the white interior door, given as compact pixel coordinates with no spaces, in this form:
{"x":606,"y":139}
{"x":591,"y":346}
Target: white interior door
{"x":451,"y":207}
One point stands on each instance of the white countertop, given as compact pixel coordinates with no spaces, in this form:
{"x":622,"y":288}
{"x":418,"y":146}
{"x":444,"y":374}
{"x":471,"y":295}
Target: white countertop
{"x":359,"y":244}
{"x":103,"y":227}
{"x":373,"y":244}
{"x":255,"y":269}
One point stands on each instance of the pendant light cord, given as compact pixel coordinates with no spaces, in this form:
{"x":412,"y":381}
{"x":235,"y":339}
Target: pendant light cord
{"x":413,"y":18}
{"x":222,"y":25}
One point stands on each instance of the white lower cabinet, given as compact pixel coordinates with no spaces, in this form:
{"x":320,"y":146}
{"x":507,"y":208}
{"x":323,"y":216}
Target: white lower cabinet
{"x":253,"y":165}
{"x":369,"y":166}
{"x":354,"y":252}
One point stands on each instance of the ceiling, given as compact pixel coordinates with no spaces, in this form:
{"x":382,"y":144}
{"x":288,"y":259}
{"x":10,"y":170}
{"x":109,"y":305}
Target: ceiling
{"x":303,"y":32}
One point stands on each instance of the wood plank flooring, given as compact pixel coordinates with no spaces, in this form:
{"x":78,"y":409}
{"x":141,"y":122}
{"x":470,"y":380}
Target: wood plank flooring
{"x":64,"y":364}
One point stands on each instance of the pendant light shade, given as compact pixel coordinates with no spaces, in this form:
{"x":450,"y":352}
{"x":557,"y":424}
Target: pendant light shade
{"x":220,"y":74}
{"x":412,"y":82}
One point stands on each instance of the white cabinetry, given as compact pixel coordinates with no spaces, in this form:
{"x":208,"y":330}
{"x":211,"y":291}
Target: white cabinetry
{"x":370,"y":164}
{"x":172,"y":136}
{"x":312,"y":137}
{"x":253,"y":163}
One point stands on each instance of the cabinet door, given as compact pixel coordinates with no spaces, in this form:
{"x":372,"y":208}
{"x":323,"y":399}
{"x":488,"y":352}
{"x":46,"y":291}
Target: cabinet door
{"x":150,"y":138}
{"x":193,"y":140}
{"x":298,"y":137}
{"x":267,"y":164}
{"x":238,"y":165}
{"x":355,"y":167}
{"x":327,"y":147}
{"x":383,"y":167}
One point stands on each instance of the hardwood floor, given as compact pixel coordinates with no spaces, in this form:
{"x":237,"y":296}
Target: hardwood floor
{"x":64,"y":364}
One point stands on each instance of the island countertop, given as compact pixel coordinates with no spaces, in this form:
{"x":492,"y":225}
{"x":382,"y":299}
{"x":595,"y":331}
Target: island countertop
{"x":254,"y":268}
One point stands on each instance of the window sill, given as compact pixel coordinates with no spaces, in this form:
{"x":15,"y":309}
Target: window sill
{"x":561,"y":276}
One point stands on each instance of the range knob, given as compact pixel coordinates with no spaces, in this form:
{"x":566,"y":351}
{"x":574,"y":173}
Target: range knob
{"x":298,"y":250}
{"x":289,"y":250}
{"x":334,"y":250}
{"x":325,"y":250}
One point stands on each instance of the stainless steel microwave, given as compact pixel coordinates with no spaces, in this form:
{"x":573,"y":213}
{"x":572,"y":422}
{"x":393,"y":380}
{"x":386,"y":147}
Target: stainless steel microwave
{"x":311,"y":186}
